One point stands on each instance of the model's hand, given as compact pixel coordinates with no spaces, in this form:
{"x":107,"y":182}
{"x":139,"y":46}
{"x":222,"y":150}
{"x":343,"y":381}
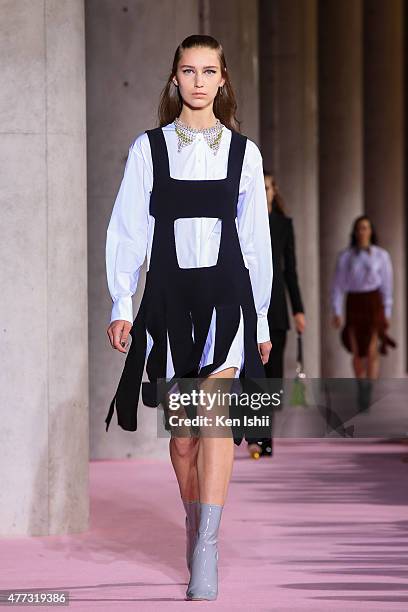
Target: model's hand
{"x":300,"y":322}
{"x":118,"y":332}
{"x":264,"y":350}
{"x":336,"y":321}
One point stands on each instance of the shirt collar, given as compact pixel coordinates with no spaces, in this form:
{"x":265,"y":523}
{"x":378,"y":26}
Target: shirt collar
{"x":364,"y":249}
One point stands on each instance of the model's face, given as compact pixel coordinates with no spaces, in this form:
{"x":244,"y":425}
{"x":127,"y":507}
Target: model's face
{"x":199,"y":76}
{"x":363,"y":232}
{"x":270,"y":192}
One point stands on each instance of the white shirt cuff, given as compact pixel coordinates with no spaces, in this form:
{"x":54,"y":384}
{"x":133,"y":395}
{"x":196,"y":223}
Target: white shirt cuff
{"x":122,"y":309}
{"x":263,"y":329}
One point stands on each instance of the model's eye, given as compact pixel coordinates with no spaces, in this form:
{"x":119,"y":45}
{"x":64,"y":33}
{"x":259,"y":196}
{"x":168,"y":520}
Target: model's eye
{"x":210,"y":70}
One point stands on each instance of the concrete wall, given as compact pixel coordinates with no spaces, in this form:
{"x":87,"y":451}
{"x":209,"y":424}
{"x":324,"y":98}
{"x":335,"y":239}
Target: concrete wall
{"x":288,"y":104}
{"x":384,"y":153}
{"x":234,"y":23}
{"x":340,"y":154}
{"x":44,"y":358}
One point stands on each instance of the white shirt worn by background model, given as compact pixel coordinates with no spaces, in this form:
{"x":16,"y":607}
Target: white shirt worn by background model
{"x":362,"y":270}
{"x":131,"y":227}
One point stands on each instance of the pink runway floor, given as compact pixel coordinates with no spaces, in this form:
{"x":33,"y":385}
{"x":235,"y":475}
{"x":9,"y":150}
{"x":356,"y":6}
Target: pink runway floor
{"x":320,"y":526}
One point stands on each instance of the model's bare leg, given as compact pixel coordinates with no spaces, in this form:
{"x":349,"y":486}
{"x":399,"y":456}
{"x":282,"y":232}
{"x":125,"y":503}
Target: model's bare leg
{"x":373,"y":359}
{"x":183,"y":454}
{"x":359,"y":365}
{"x":215,"y":454}
{"x":203,"y":465}
{"x":214,"y":466}
{"x":365,"y":368}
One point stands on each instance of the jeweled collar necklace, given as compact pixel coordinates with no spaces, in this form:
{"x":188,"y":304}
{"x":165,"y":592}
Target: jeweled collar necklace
{"x":186,"y":134}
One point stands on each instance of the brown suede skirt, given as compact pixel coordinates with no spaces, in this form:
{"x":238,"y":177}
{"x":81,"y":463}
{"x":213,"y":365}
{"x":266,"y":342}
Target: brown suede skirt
{"x":365,"y":316}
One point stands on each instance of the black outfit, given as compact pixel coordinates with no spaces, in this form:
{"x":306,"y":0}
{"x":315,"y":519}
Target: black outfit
{"x":179,"y":301}
{"x":284,"y":274}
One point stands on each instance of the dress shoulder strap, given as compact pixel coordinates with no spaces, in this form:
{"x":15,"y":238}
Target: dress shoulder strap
{"x":236,"y":156}
{"x":161,"y":170}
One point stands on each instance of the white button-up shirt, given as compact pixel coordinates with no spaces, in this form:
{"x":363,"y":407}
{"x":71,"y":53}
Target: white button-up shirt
{"x":361,"y":270}
{"x":131,"y":227}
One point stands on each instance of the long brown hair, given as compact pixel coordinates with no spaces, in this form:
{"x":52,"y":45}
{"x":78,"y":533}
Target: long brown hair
{"x":225,"y":104}
{"x":277,"y":203}
{"x":353,"y":234}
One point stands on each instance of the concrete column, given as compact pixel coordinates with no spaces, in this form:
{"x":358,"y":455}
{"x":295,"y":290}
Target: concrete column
{"x":340,"y":154}
{"x":384,"y":152}
{"x":44,"y":358}
{"x":234,"y":23}
{"x":288,"y":103}
{"x":130,"y":48}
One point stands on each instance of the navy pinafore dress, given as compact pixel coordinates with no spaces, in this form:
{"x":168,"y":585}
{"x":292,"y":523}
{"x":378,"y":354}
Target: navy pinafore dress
{"x":179,"y":302}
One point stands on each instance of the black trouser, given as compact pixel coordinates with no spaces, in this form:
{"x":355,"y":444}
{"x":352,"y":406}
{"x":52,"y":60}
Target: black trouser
{"x":274,"y":366}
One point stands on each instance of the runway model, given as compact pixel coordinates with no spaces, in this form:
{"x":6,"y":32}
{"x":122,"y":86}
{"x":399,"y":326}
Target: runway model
{"x":192,"y":199}
{"x":285,"y":278}
{"x":364,"y":273}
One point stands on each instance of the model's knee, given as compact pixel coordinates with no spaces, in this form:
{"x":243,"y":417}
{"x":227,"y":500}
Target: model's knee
{"x":184,"y":447}
{"x":373,"y":349}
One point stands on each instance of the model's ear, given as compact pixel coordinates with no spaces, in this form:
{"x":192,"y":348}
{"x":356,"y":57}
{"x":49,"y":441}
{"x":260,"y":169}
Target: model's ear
{"x":175,"y":82}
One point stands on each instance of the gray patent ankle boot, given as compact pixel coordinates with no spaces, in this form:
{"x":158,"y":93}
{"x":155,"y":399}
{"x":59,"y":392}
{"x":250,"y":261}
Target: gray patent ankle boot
{"x":204,"y":567}
{"x":192,"y":522}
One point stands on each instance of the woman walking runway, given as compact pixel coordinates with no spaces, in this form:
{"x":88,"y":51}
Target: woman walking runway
{"x":192,"y":199}
{"x":285,"y":278}
{"x":364,"y":273}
